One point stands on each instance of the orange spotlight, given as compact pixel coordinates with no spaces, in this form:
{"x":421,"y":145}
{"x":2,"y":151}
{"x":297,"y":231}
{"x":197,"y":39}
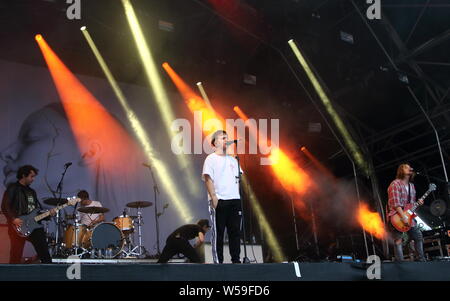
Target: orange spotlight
{"x":291,"y":176}
{"x":371,"y":221}
{"x":91,"y":123}
{"x":192,"y":99}
{"x":240,"y":113}
{"x":317,"y":163}
{"x":38,"y":37}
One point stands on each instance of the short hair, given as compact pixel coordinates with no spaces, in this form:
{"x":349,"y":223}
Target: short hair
{"x":203,"y":222}
{"x":216,"y":134}
{"x":24,"y":171}
{"x":83,"y":194}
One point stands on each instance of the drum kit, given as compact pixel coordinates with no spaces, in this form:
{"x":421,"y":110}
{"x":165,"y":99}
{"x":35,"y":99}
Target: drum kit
{"x":104,"y":240}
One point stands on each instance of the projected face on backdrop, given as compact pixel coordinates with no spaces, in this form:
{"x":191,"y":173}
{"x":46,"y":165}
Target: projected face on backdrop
{"x":46,"y":142}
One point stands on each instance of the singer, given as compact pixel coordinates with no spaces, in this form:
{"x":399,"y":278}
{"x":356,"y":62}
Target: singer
{"x":221,"y":176}
{"x":401,"y":192}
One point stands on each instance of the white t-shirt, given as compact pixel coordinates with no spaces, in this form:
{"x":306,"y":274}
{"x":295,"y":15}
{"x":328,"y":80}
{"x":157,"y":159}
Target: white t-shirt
{"x":223,"y":170}
{"x":87,"y":219}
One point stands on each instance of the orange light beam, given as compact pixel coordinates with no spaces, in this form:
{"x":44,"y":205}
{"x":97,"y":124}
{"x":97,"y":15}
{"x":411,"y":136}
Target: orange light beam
{"x":87,"y":117}
{"x":317,"y":163}
{"x":240,"y":113}
{"x":290,"y":175}
{"x":194,"y":102}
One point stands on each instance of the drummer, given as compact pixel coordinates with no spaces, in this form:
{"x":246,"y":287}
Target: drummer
{"x":88,"y":219}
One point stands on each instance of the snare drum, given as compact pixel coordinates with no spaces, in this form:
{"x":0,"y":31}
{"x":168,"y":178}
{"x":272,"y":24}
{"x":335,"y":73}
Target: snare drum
{"x":104,"y":236}
{"x":69,"y":235}
{"x":124,"y":223}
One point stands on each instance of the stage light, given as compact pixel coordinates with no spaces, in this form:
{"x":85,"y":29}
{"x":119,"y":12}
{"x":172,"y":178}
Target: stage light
{"x":82,"y":109}
{"x":240,"y":113}
{"x":38,"y":37}
{"x":325,"y":171}
{"x":348,"y":140}
{"x":195,"y":103}
{"x":159,"y":93}
{"x":83,"y":28}
{"x":204,"y":96}
{"x":166,"y":179}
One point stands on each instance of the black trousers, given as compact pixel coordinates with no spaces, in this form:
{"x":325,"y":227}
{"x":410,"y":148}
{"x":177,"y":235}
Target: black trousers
{"x":228,"y":215}
{"x":37,"y":239}
{"x":178,"y":246}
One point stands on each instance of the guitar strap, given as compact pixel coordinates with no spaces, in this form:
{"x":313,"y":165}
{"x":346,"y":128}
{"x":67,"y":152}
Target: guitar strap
{"x":409,"y":193}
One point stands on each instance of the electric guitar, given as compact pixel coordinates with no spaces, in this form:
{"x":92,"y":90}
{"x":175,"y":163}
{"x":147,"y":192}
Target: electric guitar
{"x":30,"y":221}
{"x":409,"y":212}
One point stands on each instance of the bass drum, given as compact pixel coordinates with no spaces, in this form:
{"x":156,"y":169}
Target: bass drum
{"x":106,"y":238}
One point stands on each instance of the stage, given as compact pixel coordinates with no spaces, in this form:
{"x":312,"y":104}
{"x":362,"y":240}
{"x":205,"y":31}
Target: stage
{"x":145,"y":270}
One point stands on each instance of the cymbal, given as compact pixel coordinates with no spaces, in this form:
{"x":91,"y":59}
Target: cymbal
{"x":93,"y":210}
{"x":140,"y":204}
{"x":55,"y":201}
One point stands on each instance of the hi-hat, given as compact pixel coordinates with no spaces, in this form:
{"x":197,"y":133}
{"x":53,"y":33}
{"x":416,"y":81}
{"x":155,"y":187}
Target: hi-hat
{"x":140,"y":204}
{"x":93,"y":210}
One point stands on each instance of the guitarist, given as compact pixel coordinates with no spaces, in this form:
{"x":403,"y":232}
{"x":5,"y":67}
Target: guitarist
{"x":402,"y":192}
{"x":20,"y":199}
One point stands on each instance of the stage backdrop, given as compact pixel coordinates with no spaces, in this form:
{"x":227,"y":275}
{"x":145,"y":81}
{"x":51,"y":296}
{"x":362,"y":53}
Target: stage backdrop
{"x":36,"y":131}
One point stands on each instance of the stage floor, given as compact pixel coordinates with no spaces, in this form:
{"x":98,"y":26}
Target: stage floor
{"x":145,"y":271}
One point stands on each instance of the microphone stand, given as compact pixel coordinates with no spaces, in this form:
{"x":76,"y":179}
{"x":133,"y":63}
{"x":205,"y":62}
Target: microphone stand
{"x":156,"y":191}
{"x":59,"y":190}
{"x":239,"y":177}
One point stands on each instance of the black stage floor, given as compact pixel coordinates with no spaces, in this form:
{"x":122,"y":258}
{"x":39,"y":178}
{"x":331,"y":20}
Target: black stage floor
{"x":327,"y":271}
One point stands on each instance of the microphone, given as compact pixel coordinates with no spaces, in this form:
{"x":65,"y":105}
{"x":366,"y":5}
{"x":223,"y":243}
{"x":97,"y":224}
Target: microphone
{"x":232,"y":141}
{"x":147,"y":165}
{"x":67,"y":164}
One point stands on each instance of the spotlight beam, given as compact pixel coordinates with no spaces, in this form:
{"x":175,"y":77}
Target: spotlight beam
{"x":180,"y":204}
{"x":348,"y":139}
{"x":204,"y":96}
{"x":159,"y":93}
